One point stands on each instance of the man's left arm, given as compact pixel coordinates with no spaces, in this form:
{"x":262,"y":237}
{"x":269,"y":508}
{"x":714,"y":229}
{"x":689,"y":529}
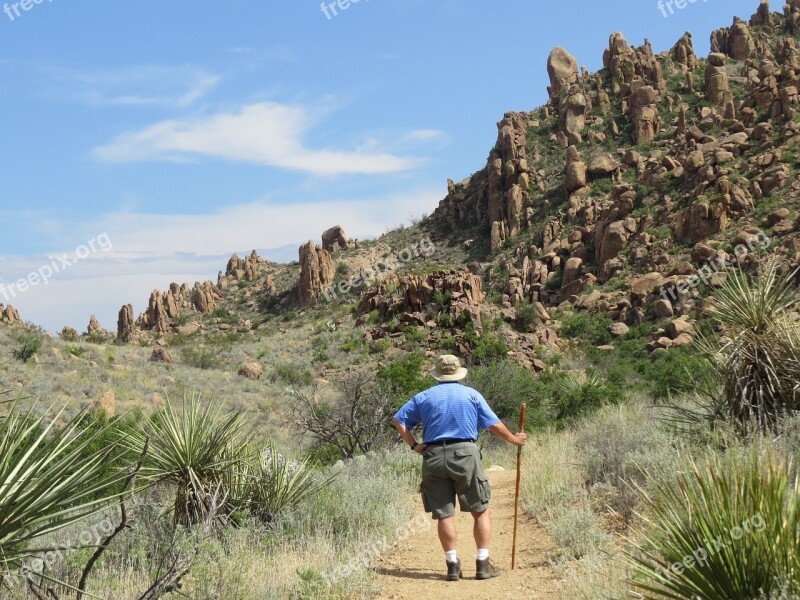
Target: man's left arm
{"x":408,"y":437}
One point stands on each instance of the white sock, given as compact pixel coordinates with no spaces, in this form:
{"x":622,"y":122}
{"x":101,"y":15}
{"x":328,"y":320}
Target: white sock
{"x":483,"y":554}
{"x":451,"y":556}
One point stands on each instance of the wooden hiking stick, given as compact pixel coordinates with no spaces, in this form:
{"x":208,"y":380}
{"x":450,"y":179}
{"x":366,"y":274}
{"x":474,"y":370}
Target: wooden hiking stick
{"x":516,"y":495}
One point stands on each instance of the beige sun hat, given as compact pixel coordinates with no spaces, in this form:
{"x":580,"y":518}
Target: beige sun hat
{"x":448,"y":368}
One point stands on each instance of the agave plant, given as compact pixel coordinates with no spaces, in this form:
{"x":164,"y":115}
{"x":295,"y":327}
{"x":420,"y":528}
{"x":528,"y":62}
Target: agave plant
{"x":48,"y":481}
{"x":759,"y":361}
{"x":723,"y":529}
{"x":193,"y":450}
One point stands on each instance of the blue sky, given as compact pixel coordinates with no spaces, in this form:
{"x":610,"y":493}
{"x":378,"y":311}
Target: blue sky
{"x":186,"y":131}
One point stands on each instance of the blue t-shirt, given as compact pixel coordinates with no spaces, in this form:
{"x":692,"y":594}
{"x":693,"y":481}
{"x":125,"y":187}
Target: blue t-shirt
{"x":448,"y":411}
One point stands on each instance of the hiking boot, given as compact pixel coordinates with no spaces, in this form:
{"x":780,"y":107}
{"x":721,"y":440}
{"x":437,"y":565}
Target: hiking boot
{"x":485,"y":569}
{"x":454,"y":571}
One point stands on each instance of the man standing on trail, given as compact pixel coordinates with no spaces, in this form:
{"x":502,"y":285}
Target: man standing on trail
{"x":452,"y":415}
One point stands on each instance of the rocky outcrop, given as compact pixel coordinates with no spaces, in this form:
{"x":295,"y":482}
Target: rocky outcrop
{"x":205,"y":296}
{"x":562,"y":68}
{"x":94,"y":327}
{"x":574,"y":172}
{"x":335,"y":236}
{"x":156,"y":318}
{"x":458,"y":294}
{"x":683,"y":53}
{"x":125,"y":324}
{"x":317,"y":272}
{"x":9,"y":315}
{"x":626,"y":64}
{"x":644,"y":112}
{"x":735,"y":41}
{"x":245,"y":269}
{"x":716,"y":78}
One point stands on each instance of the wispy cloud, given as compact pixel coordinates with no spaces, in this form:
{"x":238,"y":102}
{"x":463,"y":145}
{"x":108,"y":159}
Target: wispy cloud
{"x":136,"y":85}
{"x":267,"y":133}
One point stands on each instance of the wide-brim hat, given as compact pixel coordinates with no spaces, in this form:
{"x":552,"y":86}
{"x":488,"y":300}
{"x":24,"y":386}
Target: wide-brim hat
{"x":448,"y":368}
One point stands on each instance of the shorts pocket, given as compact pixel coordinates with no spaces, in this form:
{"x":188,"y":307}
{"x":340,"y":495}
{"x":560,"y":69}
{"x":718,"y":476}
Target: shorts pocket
{"x":484,"y":490}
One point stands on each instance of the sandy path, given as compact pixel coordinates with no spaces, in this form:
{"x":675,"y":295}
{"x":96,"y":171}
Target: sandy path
{"x":417,"y":570}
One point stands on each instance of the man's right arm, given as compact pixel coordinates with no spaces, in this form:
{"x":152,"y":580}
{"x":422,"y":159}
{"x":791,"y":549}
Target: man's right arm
{"x":501,"y":431}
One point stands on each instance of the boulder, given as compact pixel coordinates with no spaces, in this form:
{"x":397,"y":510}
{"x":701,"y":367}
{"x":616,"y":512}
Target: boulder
{"x":161,"y":355}
{"x":333,"y":237}
{"x":679,"y":327}
{"x":562,"y":68}
{"x":603,"y":165}
{"x":252,"y":371}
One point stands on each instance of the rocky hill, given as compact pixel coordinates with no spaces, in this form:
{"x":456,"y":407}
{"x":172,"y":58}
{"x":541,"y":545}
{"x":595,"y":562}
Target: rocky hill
{"x":628,"y":197}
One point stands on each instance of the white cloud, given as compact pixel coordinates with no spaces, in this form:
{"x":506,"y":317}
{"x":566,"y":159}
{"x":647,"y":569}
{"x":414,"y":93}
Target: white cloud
{"x":150,"y":251}
{"x":266,"y":133}
{"x":137,"y":85}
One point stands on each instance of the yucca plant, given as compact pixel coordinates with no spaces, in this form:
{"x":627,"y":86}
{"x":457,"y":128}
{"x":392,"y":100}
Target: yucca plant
{"x":759,"y":362}
{"x":278,"y":484}
{"x":725,"y":528}
{"x":193,"y":450}
{"x":48,"y":481}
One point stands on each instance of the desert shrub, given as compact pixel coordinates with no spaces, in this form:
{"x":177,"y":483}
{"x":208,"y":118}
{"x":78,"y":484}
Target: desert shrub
{"x":527,"y":316}
{"x":68,"y":334}
{"x":617,"y":446}
{"x":576,"y":530}
{"x":590,"y":328}
{"x":405,"y":376}
{"x":506,"y":386}
{"x":579,"y":393}
{"x":292,"y":376}
{"x":721,"y":527}
{"x":76,"y":351}
{"x":28,"y":344}
{"x":201,"y":357}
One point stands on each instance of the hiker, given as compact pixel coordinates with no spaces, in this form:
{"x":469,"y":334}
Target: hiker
{"x":452,"y":415}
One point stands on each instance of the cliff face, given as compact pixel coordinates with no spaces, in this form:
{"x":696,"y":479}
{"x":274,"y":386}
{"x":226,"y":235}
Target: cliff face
{"x":652,"y":167}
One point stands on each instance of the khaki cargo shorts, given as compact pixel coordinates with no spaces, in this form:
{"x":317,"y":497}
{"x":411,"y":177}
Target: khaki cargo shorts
{"x":454,"y":470}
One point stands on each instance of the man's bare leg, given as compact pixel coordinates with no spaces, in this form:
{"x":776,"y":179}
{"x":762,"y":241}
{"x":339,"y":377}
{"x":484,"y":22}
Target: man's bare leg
{"x":482,"y":529}
{"x":447,"y":533}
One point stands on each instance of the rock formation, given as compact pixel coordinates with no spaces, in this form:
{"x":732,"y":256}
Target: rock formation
{"x":125,"y":326}
{"x":252,"y":371}
{"x":562,"y":69}
{"x":683,"y":53}
{"x":716,"y":78}
{"x":317,"y":272}
{"x":205,"y":296}
{"x":9,"y":315}
{"x":644,"y":112}
{"x":335,"y":236}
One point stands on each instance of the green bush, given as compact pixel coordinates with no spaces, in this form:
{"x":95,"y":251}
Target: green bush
{"x":201,"y":357}
{"x":506,"y":386}
{"x":292,"y":376}
{"x":28,"y":344}
{"x":580,"y":393}
{"x":527,"y":317}
{"x":722,"y":528}
{"x":405,"y":376}
{"x":587,"y":327}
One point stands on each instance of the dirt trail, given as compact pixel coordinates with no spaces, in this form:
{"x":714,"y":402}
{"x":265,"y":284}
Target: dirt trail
{"x":417,"y":570}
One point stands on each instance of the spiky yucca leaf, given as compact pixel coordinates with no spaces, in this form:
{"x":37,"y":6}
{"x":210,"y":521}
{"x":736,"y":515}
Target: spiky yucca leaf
{"x":759,"y":362}
{"x":699,"y":513}
{"x":48,"y":480}
{"x":192,"y":450}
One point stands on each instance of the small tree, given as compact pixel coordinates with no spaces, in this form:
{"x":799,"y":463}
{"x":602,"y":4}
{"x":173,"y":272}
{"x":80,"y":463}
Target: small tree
{"x":355,"y":420}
